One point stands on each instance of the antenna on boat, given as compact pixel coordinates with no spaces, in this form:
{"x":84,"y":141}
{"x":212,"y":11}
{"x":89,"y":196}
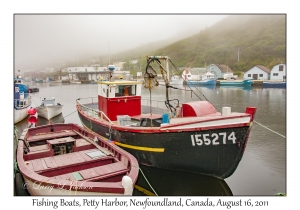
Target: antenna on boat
{"x":108,"y":54}
{"x":111,"y":68}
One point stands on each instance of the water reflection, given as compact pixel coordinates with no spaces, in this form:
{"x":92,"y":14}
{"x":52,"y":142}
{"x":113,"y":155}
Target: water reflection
{"x":212,"y":87}
{"x":177,"y":183}
{"x":236,"y":87}
{"x":55,"y":120}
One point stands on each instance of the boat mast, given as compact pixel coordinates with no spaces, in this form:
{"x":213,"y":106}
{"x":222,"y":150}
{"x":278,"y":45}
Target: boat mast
{"x":108,"y":54}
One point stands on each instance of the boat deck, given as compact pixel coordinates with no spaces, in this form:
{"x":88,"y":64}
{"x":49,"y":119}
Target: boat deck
{"x":84,"y":162}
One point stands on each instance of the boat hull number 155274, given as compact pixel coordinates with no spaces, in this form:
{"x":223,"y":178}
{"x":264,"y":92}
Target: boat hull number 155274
{"x":213,"y":139}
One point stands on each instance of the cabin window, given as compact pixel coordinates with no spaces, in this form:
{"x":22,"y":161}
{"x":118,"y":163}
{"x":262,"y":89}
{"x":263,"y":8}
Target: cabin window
{"x":275,"y":74}
{"x":249,"y":75}
{"x":22,"y":103}
{"x":125,"y":90}
{"x":261,"y":75}
{"x":281,"y":68}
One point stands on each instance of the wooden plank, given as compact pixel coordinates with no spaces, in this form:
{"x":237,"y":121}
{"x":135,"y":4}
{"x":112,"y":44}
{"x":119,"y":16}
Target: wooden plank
{"x":58,"y":161}
{"x":50,"y":162}
{"x":56,"y":177}
{"x":61,"y":140}
{"x":50,"y":136}
{"x":66,"y":159}
{"x":38,"y":148}
{"x":110,"y":168}
{"x":74,"y":158}
{"x":68,"y":176}
{"x":81,"y":142}
{"x":79,"y":158}
{"x":84,"y":156}
{"x":88,"y":173}
{"x":44,"y":164}
{"x":37,"y":165}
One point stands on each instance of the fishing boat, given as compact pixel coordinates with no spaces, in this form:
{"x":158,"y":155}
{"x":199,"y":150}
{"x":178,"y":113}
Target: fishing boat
{"x":229,"y":76}
{"x":49,"y":108}
{"x":22,"y":103}
{"x":33,"y":90}
{"x":57,"y":81}
{"x":66,"y":159}
{"x":22,"y":99}
{"x":201,"y":82}
{"x":23,"y":88}
{"x":230,"y":82}
{"x":207,"y":78}
{"x":174,"y":80}
{"x":190,"y":136}
{"x":46,"y":80}
{"x":75,"y":81}
{"x":39,"y":80}
{"x":274,"y":84}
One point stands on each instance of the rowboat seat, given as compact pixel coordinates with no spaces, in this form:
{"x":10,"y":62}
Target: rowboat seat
{"x":50,"y":136}
{"x":95,"y":173}
{"x":66,"y":163}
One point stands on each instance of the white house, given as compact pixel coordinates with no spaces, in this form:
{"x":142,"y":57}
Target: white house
{"x":134,"y":61}
{"x":193,"y":74}
{"x":119,"y":65}
{"x":278,"y":72}
{"x":257,"y":72}
{"x":80,"y":69}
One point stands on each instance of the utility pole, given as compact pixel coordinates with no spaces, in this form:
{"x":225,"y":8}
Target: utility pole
{"x":238,"y":55}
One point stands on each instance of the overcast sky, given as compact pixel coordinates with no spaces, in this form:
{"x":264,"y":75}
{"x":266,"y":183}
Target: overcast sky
{"x":43,"y":40}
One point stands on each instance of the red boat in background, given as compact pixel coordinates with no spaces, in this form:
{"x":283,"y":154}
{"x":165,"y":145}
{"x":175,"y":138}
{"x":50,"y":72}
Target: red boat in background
{"x":66,"y":159}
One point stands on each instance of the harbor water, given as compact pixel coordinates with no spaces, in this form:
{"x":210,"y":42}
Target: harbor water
{"x":262,"y":170}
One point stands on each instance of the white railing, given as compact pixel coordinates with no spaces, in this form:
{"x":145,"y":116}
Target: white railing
{"x":22,"y":103}
{"x":90,"y":111}
{"x":157,"y":103}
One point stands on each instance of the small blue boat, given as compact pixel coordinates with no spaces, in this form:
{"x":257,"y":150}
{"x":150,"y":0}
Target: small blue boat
{"x":245,"y":82}
{"x":274,"y":84}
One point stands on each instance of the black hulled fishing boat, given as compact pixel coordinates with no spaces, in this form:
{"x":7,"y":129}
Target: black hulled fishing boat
{"x":191,"y":136}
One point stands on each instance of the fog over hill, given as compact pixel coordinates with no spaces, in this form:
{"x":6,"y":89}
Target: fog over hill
{"x":52,"y":40}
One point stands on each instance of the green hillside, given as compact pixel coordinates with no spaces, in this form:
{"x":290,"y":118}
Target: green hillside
{"x":239,"y":41}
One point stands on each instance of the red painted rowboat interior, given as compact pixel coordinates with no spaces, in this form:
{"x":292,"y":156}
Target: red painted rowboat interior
{"x":68,"y":152}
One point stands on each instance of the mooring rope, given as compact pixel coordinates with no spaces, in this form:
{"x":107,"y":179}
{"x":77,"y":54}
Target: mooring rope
{"x":65,"y":116}
{"x":147,"y":181}
{"x":269,"y":129}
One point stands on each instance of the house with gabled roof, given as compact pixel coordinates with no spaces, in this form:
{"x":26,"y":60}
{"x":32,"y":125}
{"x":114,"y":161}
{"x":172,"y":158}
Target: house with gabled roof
{"x":193,"y":73}
{"x":219,"y":70}
{"x":278,"y":72}
{"x":257,"y":72}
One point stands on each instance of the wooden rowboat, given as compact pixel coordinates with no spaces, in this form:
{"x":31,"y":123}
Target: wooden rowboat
{"x":66,"y":159}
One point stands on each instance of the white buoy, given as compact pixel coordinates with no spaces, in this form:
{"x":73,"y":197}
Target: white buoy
{"x":96,"y":139}
{"x":127,"y":184}
{"x":226,"y":111}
